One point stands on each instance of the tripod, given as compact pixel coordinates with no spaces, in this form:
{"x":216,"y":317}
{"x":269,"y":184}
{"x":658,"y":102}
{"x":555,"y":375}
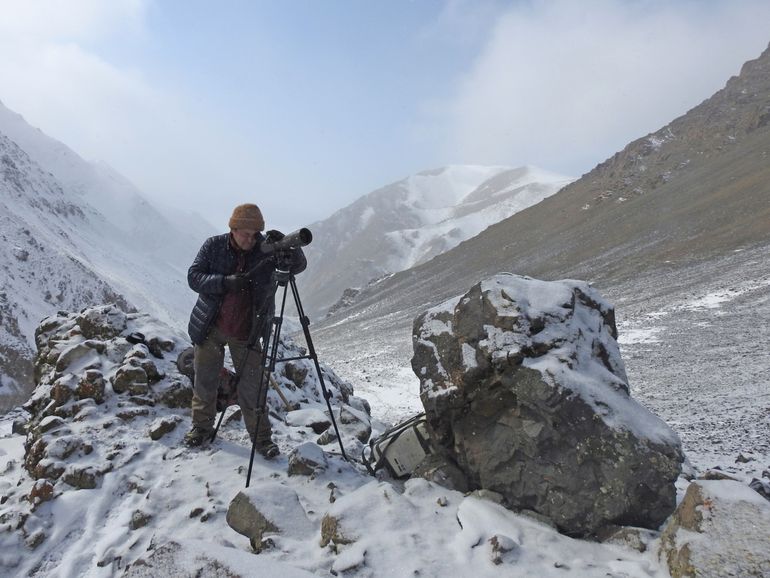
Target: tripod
{"x":286,"y":279}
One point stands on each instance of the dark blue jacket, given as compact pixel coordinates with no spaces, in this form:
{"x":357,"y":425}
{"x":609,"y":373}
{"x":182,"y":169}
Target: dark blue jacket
{"x":217,"y":259}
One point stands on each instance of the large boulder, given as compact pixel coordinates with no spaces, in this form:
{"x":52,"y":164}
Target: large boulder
{"x":525,"y":390}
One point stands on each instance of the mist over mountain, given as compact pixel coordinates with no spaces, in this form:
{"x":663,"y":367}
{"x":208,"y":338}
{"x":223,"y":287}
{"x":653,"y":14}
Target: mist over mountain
{"x":74,"y":234}
{"x":695,"y":190}
{"x":674,"y":230}
{"x":77,"y":233}
{"x":409,"y":222}
{"x":678,"y":215}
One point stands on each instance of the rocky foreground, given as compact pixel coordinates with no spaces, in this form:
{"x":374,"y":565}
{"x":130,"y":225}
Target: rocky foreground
{"x":103,"y":486}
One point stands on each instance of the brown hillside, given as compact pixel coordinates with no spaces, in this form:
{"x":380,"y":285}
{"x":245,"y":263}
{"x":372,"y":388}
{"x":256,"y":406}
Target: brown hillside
{"x":696,"y":189}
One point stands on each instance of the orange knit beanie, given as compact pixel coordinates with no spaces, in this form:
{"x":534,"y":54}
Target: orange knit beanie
{"x":247,"y":216}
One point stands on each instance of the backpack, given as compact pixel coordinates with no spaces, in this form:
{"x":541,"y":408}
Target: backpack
{"x":400,"y":449}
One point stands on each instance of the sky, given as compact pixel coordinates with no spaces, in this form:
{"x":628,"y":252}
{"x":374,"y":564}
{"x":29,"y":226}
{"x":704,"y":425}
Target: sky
{"x":303,"y":106}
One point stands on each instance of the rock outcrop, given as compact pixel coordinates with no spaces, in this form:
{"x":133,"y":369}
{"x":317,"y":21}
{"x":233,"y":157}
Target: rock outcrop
{"x":110,"y":393}
{"x":525,"y":390}
{"x":85,"y":361}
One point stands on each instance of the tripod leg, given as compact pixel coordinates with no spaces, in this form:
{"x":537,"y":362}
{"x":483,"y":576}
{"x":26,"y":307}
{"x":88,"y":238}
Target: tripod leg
{"x":311,"y":350}
{"x":260,"y":410}
{"x":268,"y":365}
{"x":219,"y":423}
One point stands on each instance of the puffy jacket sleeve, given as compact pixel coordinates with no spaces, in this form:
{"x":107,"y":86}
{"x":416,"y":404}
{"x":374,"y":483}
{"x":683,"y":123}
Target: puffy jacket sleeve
{"x":200,"y":277}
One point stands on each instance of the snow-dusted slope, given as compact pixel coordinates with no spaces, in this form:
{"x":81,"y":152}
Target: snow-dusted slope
{"x":75,"y":234}
{"x":413,"y":220}
{"x":110,"y":490}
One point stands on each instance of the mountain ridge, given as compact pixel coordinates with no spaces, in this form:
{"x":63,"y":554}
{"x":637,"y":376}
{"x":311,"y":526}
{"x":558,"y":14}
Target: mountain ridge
{"x":60,"y":251}
{"x":667,"y":196}
{"x":411,"y":220}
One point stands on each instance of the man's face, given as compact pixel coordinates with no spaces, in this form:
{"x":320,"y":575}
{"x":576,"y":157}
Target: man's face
{"x":245,"y":238}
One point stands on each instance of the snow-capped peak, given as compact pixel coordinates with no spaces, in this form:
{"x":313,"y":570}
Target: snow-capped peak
{"x":412,"y":220}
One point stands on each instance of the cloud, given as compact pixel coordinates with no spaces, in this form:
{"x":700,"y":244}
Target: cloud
{"x":156,"y":136}
{"x":557,"y":83}
{"x":81,"y":20}
{"x":60,"y":85}
{"x":566,"y":84}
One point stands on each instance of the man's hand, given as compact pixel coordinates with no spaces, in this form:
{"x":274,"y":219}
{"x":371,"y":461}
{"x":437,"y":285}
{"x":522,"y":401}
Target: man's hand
{"x":235,"y":283}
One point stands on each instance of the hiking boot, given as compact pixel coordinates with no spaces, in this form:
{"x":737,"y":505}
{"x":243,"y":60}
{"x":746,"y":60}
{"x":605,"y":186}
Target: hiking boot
{"x":267,"y":449}
{"x":197,"y":436}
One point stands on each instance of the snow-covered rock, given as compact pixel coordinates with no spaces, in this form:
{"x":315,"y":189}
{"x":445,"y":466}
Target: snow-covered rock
{"x":103,"y":486}
{"x":307,"y":459}
{"x":525,"y":390}
{"x":110,"y":394}
{"x":271,"y":509}
{"x":721,"y":528}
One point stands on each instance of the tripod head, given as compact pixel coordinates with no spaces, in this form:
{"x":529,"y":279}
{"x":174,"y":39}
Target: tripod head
{"x":283,"y":249}
{"x":286,"y":250}
{"x":281,"y":277}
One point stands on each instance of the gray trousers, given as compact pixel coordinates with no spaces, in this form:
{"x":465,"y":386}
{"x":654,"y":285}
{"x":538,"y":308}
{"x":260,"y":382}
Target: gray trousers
{"x":209,"y":360}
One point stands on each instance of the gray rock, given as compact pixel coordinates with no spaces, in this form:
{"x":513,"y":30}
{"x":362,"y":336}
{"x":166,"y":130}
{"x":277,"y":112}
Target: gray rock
{"x":269,"y":509}
{"x":637,"y":538}
{"x":81,"y":477}
{"x":175,"y":394}
{"x":306,"y":460}
{"x":130,"y":378}
{"x":440,"y":469}
{"x":91,"y":385}
{"x":356,"y":423}
{"x":77,"y":353}
{"x":524,"y":389}
{"x":139,"y":519}
{"x":19,"y":426}
{"x":164,"y":425}
{"x":102,"y":322}
{"x":50,"y":423}
{"x":153,"y":375}
{"x":313,"y":418}
{"x":762,"y":487}
{"x":326,"y":438}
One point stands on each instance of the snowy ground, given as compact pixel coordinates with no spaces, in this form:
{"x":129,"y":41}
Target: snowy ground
{"x":696,"y":353}
{"x":167,"y":492}
{"x":696,"y":344}
{"x":701,"y":361}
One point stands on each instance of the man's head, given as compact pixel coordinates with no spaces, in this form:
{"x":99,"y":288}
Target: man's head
{"x":245,"y":223}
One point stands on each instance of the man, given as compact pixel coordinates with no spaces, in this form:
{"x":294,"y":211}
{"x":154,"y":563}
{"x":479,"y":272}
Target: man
{"x":234,"y":281}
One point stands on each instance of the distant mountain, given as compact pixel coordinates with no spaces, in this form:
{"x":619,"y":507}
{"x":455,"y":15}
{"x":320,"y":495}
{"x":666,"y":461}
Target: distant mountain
{"x":74,"y":234}
{"x":694,"y":191}
{"x":411,"y":221}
